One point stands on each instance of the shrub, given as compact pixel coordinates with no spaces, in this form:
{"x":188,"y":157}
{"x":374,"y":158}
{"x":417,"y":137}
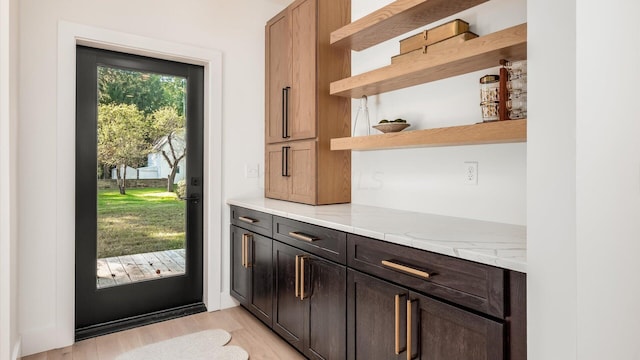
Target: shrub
{"x":181,"y":188}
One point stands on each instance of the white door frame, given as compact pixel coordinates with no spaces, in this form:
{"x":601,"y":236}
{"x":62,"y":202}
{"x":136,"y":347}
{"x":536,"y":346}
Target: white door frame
{"x":70,"y":35}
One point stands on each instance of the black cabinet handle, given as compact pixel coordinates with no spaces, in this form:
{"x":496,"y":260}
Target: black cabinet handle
{"x":285,"y":112}
{"x":285,"y":160}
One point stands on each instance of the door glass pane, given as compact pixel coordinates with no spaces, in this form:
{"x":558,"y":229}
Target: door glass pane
{"x":141,"y":170}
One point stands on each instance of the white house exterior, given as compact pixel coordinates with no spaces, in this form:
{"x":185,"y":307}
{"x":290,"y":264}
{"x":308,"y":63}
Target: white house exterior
{"x":157,"y":167}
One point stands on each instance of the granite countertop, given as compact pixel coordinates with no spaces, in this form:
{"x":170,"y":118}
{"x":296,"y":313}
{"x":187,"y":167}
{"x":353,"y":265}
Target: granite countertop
{"x":491,"y":243}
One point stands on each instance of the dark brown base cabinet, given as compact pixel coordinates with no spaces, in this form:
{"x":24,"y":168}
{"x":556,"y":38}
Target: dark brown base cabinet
{"x":333,"y":295}
{"x":312,"y":315}
{"x":379,"y":326}
{"x":252,"y":272}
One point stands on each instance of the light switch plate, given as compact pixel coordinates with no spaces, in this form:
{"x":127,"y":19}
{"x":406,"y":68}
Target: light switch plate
{"x":252,"y":171}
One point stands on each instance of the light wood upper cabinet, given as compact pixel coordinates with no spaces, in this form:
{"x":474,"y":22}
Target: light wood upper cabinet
{"x":278,"y":75}
{"x":291,"y":73}
{"x":291,"y":171}
{"x":301,"y":116}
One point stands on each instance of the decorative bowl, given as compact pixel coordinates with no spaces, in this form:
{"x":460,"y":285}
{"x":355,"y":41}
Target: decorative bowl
{"x":391,"y":127}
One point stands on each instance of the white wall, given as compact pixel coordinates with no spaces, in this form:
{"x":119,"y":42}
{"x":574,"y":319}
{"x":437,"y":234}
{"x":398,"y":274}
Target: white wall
{"x":551,"y":181}
{"x":431,"y":179}
{"x":9,"y":337}
{"x":233,"y":27}
{"x":607,"y":180}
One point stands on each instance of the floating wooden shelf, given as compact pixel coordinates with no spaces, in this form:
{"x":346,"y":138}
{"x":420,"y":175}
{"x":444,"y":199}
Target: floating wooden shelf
{"x":472,"y":55}
{"x":396,"y":19}
{"x":498,"y":132}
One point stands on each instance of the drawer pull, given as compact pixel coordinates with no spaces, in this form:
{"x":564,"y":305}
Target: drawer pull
{"x":303,"y":236}
{"x":406,"y":269}
{"x":247,"y":219}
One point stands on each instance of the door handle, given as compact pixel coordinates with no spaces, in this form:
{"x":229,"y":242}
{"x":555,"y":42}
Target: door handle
{"x":193,"y":197}
{"x":297,"y":284}
{"x":410,"y":329}
{"x":397,"y":324}
{"x":285,"y":160}
{"x":243,"y":251}
{"x":246,"y":238}
{"x":285,"y":112}
{"x":302,"y":277}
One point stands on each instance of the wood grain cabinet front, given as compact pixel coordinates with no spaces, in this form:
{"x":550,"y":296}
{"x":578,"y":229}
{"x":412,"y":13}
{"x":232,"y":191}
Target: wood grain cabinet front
{"x":476,"y":286}
{"x":291,"y":171}
{"x":310,"y":302}
{"x":386,"y":321}
{"x":252,"y":220}
{"x":334,"y":295}
{"x":252,"y":272}
{"x":301,"y":116}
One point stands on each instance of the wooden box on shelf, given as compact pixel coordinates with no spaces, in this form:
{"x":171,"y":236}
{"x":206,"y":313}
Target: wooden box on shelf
{"x":434,"y":35}
{"x":439,"y":46}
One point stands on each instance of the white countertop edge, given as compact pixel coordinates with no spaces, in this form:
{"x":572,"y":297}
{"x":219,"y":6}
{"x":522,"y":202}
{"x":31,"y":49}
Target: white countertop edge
{"x":487,"y":255}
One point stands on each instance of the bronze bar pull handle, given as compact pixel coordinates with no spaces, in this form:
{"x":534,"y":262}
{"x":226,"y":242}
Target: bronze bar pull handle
{"x":247,"y":219}
{"x":244,"y":248}
{"x":397,"y":324}
{"x":406,"y":269}
{"x":302,"y":277}
{"x":248,"y":257}
{"x":297,"y":291}
{"x":409,"y":329}
{"x":303,"y":236}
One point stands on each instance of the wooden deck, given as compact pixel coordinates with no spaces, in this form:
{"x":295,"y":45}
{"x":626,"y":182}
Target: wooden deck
{"x":122,"y":270}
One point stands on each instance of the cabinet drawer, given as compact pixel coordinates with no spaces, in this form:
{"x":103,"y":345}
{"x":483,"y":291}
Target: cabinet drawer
{"x":476,"y":286}
{"x":252,"y":220}
{"x":327,"y":243}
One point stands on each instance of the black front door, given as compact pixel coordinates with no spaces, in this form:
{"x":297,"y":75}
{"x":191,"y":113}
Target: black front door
{"x":139,"y":176}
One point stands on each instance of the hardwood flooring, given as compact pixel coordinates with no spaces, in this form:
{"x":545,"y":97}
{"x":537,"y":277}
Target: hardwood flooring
{"x":246,"y":331}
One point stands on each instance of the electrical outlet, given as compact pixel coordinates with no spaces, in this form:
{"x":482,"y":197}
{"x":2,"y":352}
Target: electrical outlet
{"x":471,"y":172}
{"x":251,"y":171}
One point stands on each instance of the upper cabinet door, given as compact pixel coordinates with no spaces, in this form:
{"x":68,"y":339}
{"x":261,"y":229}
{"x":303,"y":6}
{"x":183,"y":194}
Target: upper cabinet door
{"x":302,"y":169}
{"x":291,"y":87}
{"x":303,"y":93}
{"x":278,"y":77}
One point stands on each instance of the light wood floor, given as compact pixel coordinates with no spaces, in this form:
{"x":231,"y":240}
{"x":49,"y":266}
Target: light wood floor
{"x":246,"y":331}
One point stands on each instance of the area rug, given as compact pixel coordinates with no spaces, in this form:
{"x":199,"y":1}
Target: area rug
{"x":204,"y":345}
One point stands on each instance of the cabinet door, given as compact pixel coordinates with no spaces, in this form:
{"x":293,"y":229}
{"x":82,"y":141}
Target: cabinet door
{"x":302,"y":168}
{"x":376,"y":318}
{"x":276,"y":172}
{"x":444,"y":332}
{"x":288,"y":311}
{"x":303,"y":96}
{"x":324,"y":290}
{"x":260,"y":253}
{"x":240,"y":274}
{"x":278,"y":76}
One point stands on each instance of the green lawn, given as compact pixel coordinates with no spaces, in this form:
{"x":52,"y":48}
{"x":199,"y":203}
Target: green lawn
{"x":141,"y":221}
